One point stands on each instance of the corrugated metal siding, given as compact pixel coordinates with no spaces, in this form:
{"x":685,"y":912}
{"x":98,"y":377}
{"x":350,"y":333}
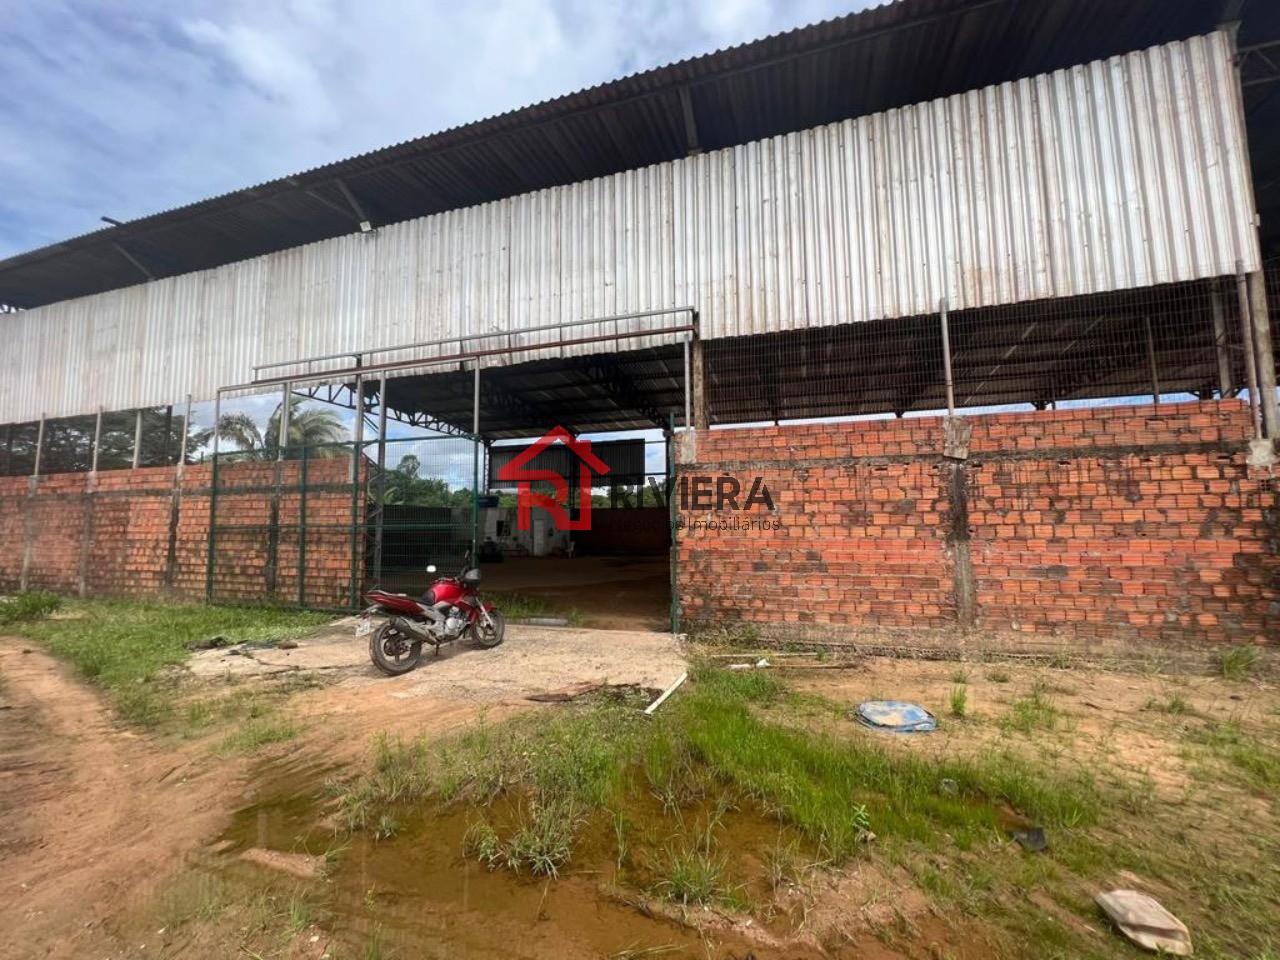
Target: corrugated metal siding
{"x":1122,"y":173}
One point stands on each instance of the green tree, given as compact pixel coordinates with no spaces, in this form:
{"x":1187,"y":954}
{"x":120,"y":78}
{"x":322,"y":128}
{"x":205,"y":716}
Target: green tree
{"x":309,"y":426}
{"x":405,"y":487}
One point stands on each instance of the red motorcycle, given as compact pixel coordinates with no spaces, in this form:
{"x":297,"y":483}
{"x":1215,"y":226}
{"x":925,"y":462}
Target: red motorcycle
{"x":450,"y":609}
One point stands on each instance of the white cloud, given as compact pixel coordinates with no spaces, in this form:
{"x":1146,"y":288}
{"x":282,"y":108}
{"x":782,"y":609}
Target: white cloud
{"x":130,"y":113}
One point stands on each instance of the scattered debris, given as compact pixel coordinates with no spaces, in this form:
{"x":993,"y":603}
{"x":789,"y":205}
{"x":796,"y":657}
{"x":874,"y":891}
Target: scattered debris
{"x":648,"y":711}
{"x":949,"y":787}
{"x":760,"y":664}
{"x":895,"y":716}
{"x":287,"y":645}
{"x":565,"y":694}
{"x":1032,"y":839}
{"x":1145,"y":922}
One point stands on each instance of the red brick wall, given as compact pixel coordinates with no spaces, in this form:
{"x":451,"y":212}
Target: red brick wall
{"x":1119,"y":522}
{"x":116,"y":529}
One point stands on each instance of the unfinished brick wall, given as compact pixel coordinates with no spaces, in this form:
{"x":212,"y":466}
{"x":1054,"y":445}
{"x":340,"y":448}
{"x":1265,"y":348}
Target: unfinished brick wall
{"x":138,"y":533}
{"x":1110,"y":523}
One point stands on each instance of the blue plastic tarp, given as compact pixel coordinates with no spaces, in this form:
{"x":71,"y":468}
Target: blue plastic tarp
{"x":896,"y":716}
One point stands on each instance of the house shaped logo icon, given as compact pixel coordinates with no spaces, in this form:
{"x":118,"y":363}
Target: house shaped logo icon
{"x":526,"y":499}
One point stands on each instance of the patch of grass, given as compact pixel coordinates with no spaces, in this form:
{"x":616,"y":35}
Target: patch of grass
{"x":833,"y":790}
{"x":1175,"y":705}
{"x":726,"y":738}
{"x":125,"y":647}
{"x":959,"y":701}
{"x":543,"y":838}
{"x":1237,"y":663}
{"x":482,"y":843}
{"x":1032,"y":712}
{"x":960,"y":675}
{"x":1061,"y":661}
{"x":28,"y":606}
{"x":691,"y":875}
{"x":1229,"y":742}
{"x":255,"y":734}
{"x":998,"y":676}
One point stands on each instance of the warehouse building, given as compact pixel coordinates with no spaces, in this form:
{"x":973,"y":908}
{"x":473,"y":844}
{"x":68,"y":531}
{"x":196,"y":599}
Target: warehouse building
{"x":976,"y":293}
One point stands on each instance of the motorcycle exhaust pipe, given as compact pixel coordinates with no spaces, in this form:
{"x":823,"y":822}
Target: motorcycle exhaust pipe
{"x":414,"y":630}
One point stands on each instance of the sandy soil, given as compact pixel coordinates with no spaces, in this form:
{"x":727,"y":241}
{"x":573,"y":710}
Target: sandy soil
{"x":92,"y":817}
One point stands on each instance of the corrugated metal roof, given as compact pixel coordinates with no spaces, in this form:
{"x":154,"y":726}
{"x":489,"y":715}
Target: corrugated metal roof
{"x":900,"y":53}
{"x":1119,"y":174}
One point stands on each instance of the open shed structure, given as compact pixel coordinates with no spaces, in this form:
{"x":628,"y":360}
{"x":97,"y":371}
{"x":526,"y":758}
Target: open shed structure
{"x":834,"y":258}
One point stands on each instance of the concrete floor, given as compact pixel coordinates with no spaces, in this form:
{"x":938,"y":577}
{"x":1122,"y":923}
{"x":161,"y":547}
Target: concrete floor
{"x":610,"y":592}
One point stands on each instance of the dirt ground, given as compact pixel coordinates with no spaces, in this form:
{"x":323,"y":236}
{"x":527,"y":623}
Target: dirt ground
{"x":96,"y":821}
{"x":608,"y":593}
{"x":92,"y":816}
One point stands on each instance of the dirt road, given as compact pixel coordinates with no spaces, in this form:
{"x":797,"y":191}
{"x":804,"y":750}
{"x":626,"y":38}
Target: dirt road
{"x":92,"y":817}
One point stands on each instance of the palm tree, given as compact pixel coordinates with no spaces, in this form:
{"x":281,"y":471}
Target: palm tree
{"x":310,"y":427}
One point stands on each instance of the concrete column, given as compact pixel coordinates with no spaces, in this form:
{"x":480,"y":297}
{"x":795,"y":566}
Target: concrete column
{"x":1220,"y":342}
{"x":697,"y":371}
{"x":1264,"y":356}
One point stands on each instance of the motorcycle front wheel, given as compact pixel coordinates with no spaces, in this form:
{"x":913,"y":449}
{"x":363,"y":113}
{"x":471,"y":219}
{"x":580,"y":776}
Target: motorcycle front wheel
{"x":488,"y":635}
{"x":393,"y":651}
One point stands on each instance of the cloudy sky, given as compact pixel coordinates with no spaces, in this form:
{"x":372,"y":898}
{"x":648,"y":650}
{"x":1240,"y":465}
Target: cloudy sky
{"x":129,"y":108}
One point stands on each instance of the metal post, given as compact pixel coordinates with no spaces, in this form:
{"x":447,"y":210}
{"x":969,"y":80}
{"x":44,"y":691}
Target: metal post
{"x":302,"y":529}
{"x":946,"y":358}
{"x":1246,"y":337}
{"x":357,"y":451}
{"x":39,"y":447}
{"x":1220,"y":341}
{"x":673,"y":516}
{"x":688,"y":385}
{"x":1264,"y":356}
{"x":1151,"y":361}
{"x":382,"y":480}
{"x":97,"y":440}
{"x":475,"y":468}
{"x":213,"y":499}
{"x":286,"y":409}
{"x":137,"y":440}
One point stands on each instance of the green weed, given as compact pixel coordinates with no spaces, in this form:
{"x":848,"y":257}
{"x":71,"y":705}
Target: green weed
{"x":998,"y":676}
{"x":959,"y":701}
{"x":1237,"y":663}
{"x":1032,"y":712}
{"x":1229,"y":742}
{"x":256,"y":734}
{"x":29,"y":606}
{"x":960,"y":675}
{"x":692,"y":875}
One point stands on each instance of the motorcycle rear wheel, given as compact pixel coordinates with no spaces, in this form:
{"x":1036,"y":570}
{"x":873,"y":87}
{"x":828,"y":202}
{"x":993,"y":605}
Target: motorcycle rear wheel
{"x":486,"y":636}
{"x":393,"y":651}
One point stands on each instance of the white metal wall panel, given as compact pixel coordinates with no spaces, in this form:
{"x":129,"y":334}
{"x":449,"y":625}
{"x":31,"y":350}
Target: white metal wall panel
{"x":1117,"y":174}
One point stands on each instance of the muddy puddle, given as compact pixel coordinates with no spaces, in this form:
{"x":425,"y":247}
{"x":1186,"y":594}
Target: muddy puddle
{"x":416,"y":895}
